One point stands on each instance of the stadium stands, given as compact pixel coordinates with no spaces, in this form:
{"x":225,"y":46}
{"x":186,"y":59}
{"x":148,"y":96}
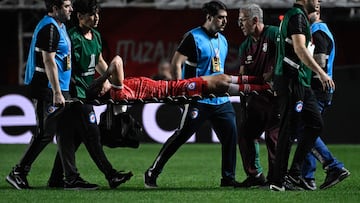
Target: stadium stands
{"x":176,"y":4}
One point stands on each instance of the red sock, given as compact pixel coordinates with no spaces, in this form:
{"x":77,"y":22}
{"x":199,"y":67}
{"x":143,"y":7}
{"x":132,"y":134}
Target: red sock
{"x":247,"y":88}
{"x":248,"y":79}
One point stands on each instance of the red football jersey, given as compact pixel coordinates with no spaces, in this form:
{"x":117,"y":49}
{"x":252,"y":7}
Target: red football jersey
{"x":146,"y":88}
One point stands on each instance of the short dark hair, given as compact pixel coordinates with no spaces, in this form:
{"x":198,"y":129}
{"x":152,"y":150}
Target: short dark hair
{"x":212,"y":8}
{"x":85,"y":6}
{"x":50,"y":3}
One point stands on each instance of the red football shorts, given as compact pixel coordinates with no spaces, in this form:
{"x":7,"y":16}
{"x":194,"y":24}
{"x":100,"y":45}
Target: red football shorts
{"x":146,"y":88}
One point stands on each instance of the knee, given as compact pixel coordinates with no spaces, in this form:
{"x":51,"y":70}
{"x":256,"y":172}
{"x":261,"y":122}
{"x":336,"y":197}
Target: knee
{"x":117,"y":61}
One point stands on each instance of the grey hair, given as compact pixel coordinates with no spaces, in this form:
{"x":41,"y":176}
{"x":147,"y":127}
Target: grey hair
{"x":253,"y":10}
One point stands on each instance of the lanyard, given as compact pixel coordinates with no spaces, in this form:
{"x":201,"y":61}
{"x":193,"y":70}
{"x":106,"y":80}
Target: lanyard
{"x":217,"y":50}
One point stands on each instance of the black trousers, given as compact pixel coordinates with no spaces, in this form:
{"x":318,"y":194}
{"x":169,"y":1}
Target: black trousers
{"x":299,"y":115}
{"x":46,"y":116}
{"x":223,"y":120}
{"x":79,"y":121}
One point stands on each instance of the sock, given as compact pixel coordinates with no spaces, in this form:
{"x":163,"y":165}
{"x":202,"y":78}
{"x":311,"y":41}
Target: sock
{"x":246,"y":79}
{"x":235,"y":79}
{"x":119,"y":87}
{"x":235,"y":89}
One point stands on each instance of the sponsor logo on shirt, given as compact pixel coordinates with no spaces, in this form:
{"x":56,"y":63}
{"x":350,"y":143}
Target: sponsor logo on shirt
{"x":249,"y":59}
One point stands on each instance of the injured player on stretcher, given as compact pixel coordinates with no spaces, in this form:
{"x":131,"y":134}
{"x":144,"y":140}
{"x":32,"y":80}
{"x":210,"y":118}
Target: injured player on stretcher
{"x":134,"y":88}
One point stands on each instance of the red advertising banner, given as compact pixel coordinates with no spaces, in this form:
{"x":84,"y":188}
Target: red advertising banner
{"x":144,"y":37}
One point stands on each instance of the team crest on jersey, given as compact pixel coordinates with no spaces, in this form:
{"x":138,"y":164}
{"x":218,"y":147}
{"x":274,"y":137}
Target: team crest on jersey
{"x":265,"y":47}
{"x":51,"y":109}
{"x":92,"y":117}
{"x":191,"y":86}
{"x":249,"y":59}
{"x":194,"y":113}
{"x":299,"y":106}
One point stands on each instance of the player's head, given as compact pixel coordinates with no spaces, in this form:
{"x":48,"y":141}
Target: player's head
{"x":164,"y":70}
{"x":50,"y":3}
{"x":250,"y":16}
{"x":309,"y":5}
{"x":86,"y":12}
{"x":312,"y":5}
{"x":315,"y":16}
{"x":212,"y":8}
{"x":86,"y":6}
{"x":252,"y":11}
{"x":60,"y":9}
{"x":164,"y":66}
{"x":216,"y":16}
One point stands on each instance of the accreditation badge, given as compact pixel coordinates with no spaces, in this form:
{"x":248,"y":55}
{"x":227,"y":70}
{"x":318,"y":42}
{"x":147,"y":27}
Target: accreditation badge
{"x":215,"y":62}
{"x":68,"y":63}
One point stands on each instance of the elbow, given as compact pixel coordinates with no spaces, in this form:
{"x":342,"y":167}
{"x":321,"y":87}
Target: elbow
{"x":298,"y":51}
{"x":303,"y":55}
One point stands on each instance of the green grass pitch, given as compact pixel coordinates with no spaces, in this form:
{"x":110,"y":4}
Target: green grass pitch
{"x":191,"y":175}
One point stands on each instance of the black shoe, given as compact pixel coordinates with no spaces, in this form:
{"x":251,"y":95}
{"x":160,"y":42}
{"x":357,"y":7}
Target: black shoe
{"x":334,"y":176}
{"x":311,"y":183}
{"x":56,"y":184}
{"x":225,"y":182}
{"x":287,"y":185}
{"x":251,"y":181}
{"x":299,"y":182}
{"x":150,"y":179}
{"x":18,"y":179}
{"x":119,"y":178}
{"x":80,"y":184}
{"x":290,"y":183}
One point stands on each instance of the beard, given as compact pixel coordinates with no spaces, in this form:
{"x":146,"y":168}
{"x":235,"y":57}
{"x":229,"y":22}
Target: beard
{"x":310,"y":7}
{"x":312,"y":19}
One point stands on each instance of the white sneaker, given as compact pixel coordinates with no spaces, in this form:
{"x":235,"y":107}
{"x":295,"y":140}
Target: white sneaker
{"x":277,"y":188}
